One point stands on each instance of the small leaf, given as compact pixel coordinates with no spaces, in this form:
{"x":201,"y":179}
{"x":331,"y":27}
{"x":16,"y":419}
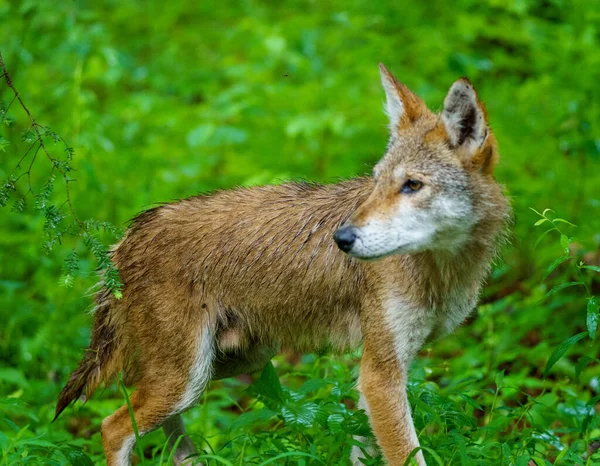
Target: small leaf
{"x":29,"y":135}
{"x":591,"y":267}
{"x":592,"y":317}
{"x":66,"y":281}
{"x":12,"y":425}
{"x":37,"y":443}
{"x":470,"y":401}
{"x":13,"y":376}
{"x":531,"y":208}
{"x":268,"y":386}
{"x":561,"y":350}
{"x":303,"y":416}
{"x":555,"y":264}
{"x":334,"y":423}
{"x":540,"y":221}
{"x":560,"y":287}
{"x":562,"y":220}
{"x":288,"y":454}
{"x":252,"y":418}
{"x":76,"y":457}
{"x":546,"y":211}
{"x":499,"y":379}
{"x":538,"y":461}
{"x":19,"y":205}
{"x":433,"y":454}
{"x":12,"y":402}
{"x":542,"y":236}
{"x":313,"y":385}
{"x":564,"y":242}
{"x":218,"y":459}
{"x":591,"y":411}
{"x":582,"y":362}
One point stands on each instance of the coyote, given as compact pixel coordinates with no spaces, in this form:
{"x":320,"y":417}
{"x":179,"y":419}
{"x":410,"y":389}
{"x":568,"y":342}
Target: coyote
{"x":215,"y":284}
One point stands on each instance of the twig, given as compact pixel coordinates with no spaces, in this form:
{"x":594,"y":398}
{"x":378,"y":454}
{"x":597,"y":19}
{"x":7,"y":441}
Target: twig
{"x":35,"y":135}
{"x":36,"y":128}
{"x":6,"y":109}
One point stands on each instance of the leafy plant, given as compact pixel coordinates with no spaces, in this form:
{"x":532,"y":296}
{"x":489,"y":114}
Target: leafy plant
{"x":55,"y":227}
{"x":585,"y":278}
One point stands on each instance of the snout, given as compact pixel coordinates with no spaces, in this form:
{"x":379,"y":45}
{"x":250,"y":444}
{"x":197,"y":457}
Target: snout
{"x":345,"y":237}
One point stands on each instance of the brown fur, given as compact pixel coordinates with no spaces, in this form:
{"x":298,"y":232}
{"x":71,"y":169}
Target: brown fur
{"x":258,"y":269}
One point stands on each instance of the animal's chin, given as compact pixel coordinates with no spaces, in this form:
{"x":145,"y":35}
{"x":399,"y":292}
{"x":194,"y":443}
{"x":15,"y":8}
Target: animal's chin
{"x":403,"y":249}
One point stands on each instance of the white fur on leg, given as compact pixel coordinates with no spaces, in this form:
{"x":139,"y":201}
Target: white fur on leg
{"x":200,"y":375}
{"x":124,"y":455}
{"x":201,"y":371}
{"x":413,"y":434}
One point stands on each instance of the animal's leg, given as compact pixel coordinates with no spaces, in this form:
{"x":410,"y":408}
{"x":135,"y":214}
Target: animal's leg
{"x":383,"y":383}
{"x":173,"y":380}
{"x":118,"y":439}
{"x":371,"y":447}
{"x":174,"y":431}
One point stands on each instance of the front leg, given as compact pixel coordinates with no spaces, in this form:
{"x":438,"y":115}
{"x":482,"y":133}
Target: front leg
{"x":394,"y":331}
{"x":382,"y":383}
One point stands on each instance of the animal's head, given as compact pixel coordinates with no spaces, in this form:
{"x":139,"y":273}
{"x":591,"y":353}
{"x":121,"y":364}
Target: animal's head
{"x":428,"y":185}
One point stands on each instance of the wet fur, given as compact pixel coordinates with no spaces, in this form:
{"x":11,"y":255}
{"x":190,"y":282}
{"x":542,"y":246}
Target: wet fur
{"x":251,"y":270}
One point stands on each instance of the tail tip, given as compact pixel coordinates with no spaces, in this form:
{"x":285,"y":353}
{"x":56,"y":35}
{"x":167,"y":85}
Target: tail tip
{"x":66,"y":397}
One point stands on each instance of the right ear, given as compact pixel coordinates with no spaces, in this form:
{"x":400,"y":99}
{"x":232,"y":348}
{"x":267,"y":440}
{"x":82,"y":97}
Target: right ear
{"x":465,"y":121}
{"x":402,"y":106}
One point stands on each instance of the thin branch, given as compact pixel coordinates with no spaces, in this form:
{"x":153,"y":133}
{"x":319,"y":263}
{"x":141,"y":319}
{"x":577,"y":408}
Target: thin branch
{"x":24,"y":157}
{"x":7,"y":108}
{"x":35,"y":135}
{"x":36,"y":128}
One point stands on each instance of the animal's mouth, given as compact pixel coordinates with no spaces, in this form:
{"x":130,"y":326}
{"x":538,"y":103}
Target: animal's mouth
{"x":372,"y":256}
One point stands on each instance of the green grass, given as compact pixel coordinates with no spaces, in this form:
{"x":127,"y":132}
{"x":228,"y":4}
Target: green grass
{"x":500,"y":391}
{"x":147,"y":102}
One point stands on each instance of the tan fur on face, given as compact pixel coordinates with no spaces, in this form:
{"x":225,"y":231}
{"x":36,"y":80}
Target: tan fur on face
{"x":214,"y":284}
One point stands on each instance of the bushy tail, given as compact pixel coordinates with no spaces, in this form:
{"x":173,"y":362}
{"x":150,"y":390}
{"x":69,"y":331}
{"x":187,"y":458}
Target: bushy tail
{"x":102,"y":360}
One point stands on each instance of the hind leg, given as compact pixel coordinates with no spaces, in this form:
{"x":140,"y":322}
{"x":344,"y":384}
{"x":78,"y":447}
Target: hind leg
{"x":224,"y":366}
{"x":172,"y":381}
{"x":174,"y":430}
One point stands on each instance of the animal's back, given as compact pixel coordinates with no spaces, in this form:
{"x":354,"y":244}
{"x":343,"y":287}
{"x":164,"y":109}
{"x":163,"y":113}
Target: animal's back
{"x":256,"y":259}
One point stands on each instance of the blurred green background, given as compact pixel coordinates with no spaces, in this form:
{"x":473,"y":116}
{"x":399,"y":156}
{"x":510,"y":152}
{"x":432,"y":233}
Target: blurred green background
{"x":162,"y":100}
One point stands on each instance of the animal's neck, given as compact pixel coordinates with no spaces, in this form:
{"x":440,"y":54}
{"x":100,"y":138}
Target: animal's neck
{"x":465,"y":269}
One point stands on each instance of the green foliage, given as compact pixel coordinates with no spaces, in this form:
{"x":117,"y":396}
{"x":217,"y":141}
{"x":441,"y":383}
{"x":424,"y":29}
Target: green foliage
{"x":160,"y":101}
{"x":580,"y":269}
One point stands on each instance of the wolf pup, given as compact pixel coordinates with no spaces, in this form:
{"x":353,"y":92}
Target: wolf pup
{"x":215,"y":284}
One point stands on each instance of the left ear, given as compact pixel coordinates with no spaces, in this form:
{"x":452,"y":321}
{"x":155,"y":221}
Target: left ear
{"x":466,"y":125}
{"x":402,"y":106}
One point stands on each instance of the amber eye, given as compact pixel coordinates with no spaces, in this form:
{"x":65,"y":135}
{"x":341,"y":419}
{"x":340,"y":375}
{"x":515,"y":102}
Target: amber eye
{"x":411,"y":186}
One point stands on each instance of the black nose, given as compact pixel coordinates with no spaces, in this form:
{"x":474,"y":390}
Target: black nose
{"x":345,"y":238}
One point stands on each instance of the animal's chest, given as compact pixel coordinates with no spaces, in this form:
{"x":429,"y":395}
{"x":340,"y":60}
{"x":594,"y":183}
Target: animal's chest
{"x":411,"y":324}
{"x":452,"y":312}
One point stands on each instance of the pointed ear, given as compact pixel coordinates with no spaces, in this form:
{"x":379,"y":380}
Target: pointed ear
{"x":465,"y":121}
{"x":402,"y":106}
